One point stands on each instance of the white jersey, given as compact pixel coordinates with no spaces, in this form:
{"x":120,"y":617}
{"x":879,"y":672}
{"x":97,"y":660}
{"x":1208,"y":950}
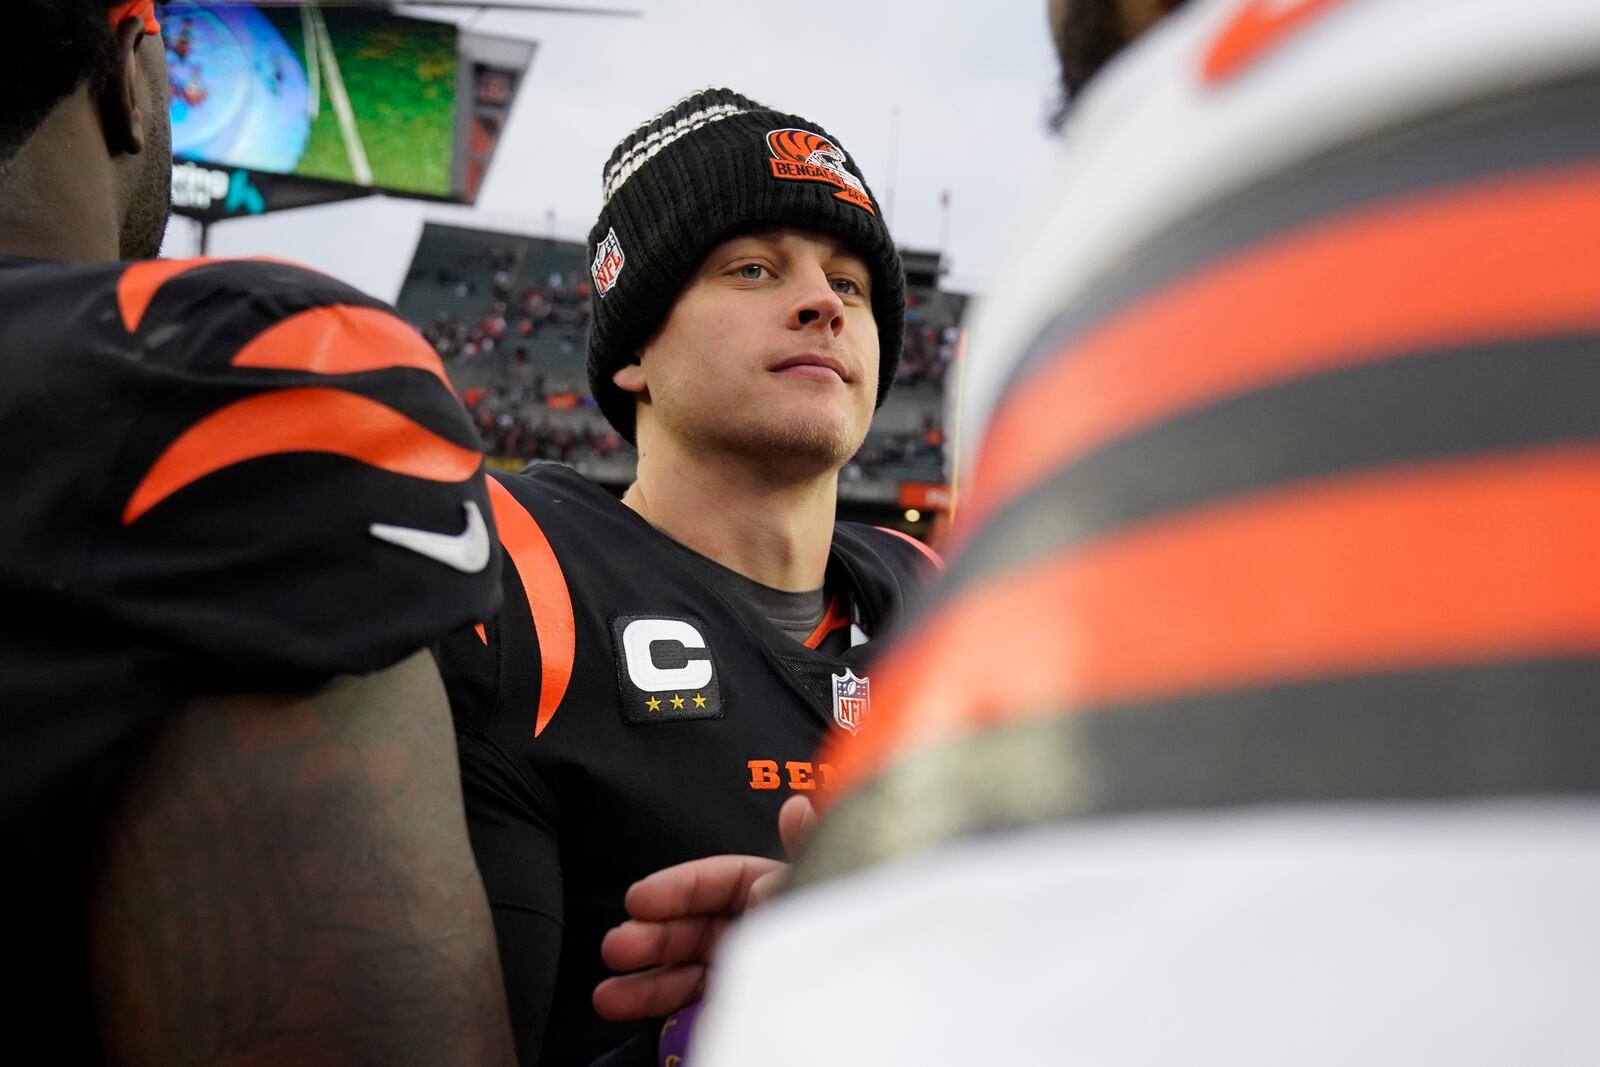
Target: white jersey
{"x":1153,"y":142}
{"x":1202,"y":819}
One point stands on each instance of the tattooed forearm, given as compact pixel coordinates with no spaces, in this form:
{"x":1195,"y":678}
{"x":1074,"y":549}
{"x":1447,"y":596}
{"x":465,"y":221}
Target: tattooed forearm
{"x":288,"y":880}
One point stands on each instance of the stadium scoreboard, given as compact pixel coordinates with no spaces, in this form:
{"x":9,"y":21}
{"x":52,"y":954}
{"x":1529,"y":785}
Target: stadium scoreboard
{"x":277,"y":107}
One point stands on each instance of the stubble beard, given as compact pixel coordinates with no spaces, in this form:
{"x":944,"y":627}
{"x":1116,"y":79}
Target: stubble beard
{"x":791,"y":447}
{"x":145,"y":226}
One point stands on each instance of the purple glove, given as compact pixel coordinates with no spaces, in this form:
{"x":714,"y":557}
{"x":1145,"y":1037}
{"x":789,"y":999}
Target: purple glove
{"x":675,"y":1035}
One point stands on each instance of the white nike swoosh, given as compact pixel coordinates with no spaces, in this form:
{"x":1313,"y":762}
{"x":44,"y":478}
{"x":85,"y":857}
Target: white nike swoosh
{"x":467,"y":552}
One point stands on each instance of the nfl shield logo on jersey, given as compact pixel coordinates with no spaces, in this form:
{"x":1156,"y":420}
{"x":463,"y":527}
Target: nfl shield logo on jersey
{"x":851,"y":700}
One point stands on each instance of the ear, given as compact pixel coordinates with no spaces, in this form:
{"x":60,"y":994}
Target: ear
{"x":120,"y":114}
{"x":630,"y":378}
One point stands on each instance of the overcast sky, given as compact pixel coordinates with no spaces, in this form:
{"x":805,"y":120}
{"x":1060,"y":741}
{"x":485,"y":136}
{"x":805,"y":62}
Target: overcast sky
{"x":973,"y":82}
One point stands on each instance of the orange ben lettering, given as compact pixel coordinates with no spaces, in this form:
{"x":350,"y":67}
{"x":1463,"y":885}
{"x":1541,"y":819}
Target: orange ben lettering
{"x":800,"y":775}
{"x":764,"y":774}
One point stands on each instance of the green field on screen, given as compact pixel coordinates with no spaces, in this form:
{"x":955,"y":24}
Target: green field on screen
{"x":400,"y":75}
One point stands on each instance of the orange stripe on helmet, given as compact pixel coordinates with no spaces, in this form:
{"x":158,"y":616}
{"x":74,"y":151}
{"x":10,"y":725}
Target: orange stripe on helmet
{"x":301,"y":420}
{"x":1500,"y":259}
{"x":341,"y":339}
{"x":548,"y":598}
{"x":143,"y":10}
{"x":1462,"y":562}
{"x":783,"y":142}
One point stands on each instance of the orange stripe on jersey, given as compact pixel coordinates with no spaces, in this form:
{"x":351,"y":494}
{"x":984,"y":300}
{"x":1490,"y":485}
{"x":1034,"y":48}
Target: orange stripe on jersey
{"x":1257,"y":28}
{"x":548,"y":598}
{"x":1446,"y":564}
{"x":341,"y":339}
{"x":140,"y":283}
{"x":1407,"y":276}
{"x":933,"y":557}
{"x":832,"y":619}
{"x":301,"y":420}
{"x":483,"y":634}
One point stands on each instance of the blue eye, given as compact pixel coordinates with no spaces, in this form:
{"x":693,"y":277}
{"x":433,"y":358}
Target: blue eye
{"x":846,"y":287}
{"x":751,"y":272}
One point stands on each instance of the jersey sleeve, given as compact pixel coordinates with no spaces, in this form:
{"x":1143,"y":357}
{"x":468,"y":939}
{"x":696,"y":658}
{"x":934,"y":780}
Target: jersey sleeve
{"x":508,"y":678}
{"x":504,"y":679}
{"x":298,"y":493}
{"x":519,"y":857}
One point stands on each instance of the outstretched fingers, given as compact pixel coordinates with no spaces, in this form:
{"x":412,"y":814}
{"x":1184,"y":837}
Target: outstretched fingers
{"x":634,"y":945}
{"x":649,"y":994}
{"x":716,"y":885}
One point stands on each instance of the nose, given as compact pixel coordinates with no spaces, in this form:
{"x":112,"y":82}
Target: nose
{"x":816,"y":303}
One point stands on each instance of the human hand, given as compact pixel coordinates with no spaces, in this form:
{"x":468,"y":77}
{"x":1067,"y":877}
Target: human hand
{"x":676,"y":917}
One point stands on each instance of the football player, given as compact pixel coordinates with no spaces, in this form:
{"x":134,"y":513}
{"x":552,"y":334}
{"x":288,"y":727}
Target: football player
{"x":240,"y":503}
{"x":665,"y":666}
{"x":1254,"y":721}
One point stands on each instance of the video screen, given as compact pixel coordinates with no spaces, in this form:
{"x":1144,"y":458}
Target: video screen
{"x":343,"y":94}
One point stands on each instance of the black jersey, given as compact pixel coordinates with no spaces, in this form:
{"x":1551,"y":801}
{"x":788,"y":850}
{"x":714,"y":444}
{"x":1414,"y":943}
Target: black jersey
{"x":623,"y":713}
{"x":219,"y":477}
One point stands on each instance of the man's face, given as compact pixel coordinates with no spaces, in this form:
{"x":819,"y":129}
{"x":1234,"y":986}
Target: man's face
{"x":771,"y":352}
{"x":150,"y":203}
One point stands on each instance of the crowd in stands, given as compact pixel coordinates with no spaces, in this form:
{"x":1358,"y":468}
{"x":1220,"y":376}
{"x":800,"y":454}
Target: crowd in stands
{"x":511,"y":324}
{"x":512,"y":423}
{"x":930,"y":346}
{"x":918,"y":456}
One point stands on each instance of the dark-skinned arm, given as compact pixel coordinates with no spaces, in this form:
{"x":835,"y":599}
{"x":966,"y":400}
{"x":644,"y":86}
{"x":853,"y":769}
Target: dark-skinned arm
{"x":287,"y":880}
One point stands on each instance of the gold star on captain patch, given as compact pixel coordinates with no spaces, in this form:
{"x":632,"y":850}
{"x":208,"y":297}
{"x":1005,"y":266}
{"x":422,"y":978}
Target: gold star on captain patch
{"x":653,"y":704}
{"x":677,"y":701}
{"x":699,"y":701}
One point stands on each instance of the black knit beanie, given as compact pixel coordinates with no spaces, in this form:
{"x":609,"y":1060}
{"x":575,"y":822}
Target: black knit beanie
{"x":712,"y":166}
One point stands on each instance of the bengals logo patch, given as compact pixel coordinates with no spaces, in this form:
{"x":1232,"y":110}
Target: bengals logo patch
{"x":803,"y":156}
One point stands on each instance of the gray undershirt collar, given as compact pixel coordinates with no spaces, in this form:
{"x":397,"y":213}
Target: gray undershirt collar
{"x":796,"y":614}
